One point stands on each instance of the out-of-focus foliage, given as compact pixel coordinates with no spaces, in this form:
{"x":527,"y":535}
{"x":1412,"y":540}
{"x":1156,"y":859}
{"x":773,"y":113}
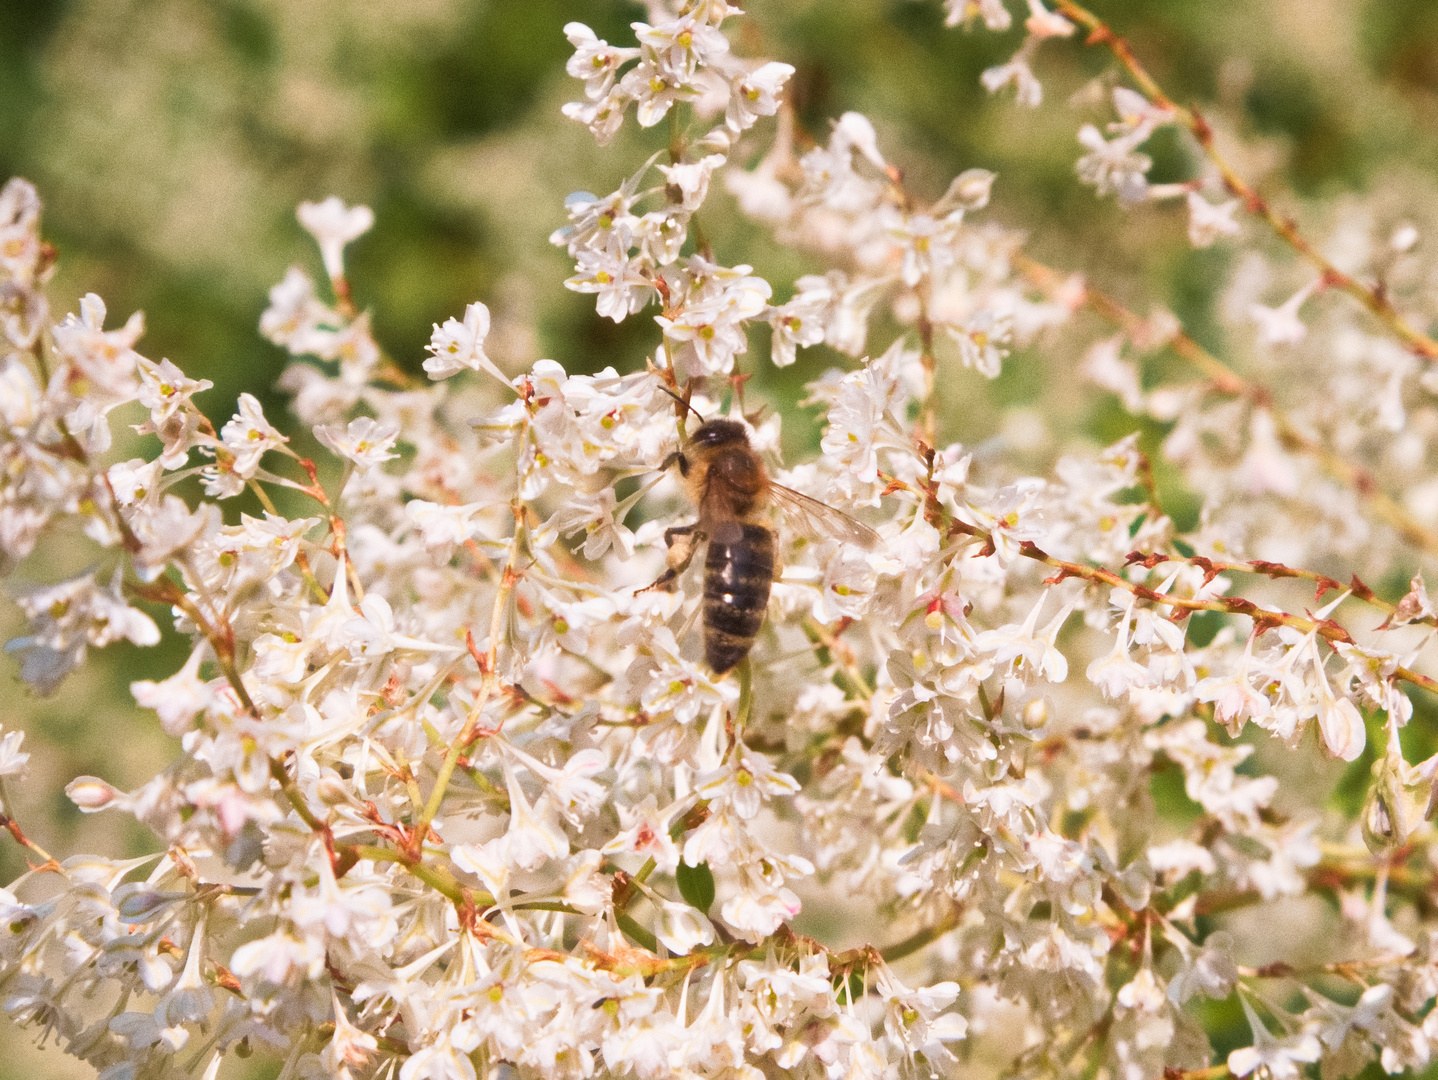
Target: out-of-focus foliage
{"x":173,"y":138}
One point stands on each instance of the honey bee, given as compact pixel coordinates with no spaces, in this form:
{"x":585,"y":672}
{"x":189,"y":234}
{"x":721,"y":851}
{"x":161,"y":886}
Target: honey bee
{"x":728,"y":483}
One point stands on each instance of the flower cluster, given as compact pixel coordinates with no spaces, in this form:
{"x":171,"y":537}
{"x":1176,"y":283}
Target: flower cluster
{"x":457,"y":794}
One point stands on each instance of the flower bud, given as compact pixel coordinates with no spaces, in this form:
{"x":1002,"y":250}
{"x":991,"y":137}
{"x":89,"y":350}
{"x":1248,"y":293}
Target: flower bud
{"x":90,"y":793}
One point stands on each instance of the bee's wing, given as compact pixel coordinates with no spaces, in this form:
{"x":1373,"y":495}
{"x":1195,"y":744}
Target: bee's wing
{"x":817,"y":521}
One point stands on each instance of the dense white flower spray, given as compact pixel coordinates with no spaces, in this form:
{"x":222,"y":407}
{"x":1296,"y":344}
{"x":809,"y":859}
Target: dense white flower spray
{"x":457,"y":796}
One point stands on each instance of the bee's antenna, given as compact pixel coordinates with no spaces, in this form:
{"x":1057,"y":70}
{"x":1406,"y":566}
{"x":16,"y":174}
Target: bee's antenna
{"x":683,"y":401}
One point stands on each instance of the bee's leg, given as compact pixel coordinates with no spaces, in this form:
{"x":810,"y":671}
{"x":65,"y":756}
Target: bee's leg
{"x":676,"y":458}
{"x":681,"y":541}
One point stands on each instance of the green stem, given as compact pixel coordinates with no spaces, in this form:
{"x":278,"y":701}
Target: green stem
{"x":636,"y":933}
{"x":746,"y":693}
{"x":915,"y":942}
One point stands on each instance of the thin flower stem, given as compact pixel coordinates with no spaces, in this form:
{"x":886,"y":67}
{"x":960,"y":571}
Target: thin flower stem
{"x":746,"y":693}
{"x":1213,"y":1072}
{"x":942,"y":788}
{"x":490,"y":682}
{"x":7,"y":822}
{"x":914,"y":942}
{"x":1261,"y":568}
{"x":263,"y":496}
{"x":294,"y":796}
{"x":302,"y":560}
{"x":839,"y":654}
{"x":1375,"y":299}
{"x":1347,"y":968}
{"x":636,"y":933}
{"x":1227,"y":381}
{"x":1327,"y":629}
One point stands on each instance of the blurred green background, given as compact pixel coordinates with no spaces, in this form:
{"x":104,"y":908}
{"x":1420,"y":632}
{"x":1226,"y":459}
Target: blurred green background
{"x":172,"y":139}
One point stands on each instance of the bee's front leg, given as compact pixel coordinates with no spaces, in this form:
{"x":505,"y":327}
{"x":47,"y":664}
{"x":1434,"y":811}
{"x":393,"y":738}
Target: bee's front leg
{"x":681,"y":541}
{"x":676,"y":458}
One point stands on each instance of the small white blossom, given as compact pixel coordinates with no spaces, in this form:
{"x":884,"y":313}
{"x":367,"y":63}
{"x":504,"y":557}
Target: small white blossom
{"x":364,"y":441}
{"x":458,"y":345}
{"x":334,"y":226}
{"x":1206,"y":222}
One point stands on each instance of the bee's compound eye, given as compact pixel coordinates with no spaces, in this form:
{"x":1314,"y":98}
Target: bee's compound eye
{"x":719,"y":432}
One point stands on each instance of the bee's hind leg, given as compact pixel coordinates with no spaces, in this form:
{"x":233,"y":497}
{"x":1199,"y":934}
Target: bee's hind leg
{"x":681,"y":541}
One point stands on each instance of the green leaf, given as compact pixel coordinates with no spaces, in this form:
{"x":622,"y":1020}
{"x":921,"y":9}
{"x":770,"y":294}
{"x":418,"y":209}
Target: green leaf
{"x":696,"y":885}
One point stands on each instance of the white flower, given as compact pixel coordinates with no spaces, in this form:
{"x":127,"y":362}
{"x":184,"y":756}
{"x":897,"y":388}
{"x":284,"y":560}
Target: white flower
{"x":800,"y":322}
{"x":1031,"y":655}
{"x":756,"y":94}
{"x":1029,"y":92}
{"x":247,"y":436}
{"x":177,"y":699}
{"x":106,"y":356}
{"x":1043,"y":23}
{"x":348,"y":1045}
{"x":1279,"y":1058}
{"x":1115,"y":166}
{"x":682,"y":929}
{"x":755,"y":913}
{"x":365,"y":441}
{"x":1206,"y":222}
{"x":689,"y":180}
{"x":12,"y":759}
{"x":458,"y":345}
{"x":993,"y":12}
{"x":164,"y":389}
{"x":334,"y":225}
{"x":644,"y":831}
{"x":982,"y":342}
{"x":621,"y":284}
{"x":90,"y":793}
{"x":442,"y":527}
{"x":595,"y":61}
{"x":1281,"y":325}
{"x":65,"y":618}
{"x":1235,"y":699}
{"x":1340,"y":724}
{"x":20,"y":247}
{"x":604,"y":117}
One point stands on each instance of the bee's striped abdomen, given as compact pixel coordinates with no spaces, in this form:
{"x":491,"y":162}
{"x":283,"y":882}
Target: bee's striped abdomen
{"x":738,"y":570}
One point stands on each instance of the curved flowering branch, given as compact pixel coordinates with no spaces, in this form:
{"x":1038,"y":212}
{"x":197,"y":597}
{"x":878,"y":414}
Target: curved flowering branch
{"x":1227,"y":381}
{"x":1374,"y":298}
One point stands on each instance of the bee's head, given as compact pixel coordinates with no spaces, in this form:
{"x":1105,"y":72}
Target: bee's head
{"x":713,"y":434}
